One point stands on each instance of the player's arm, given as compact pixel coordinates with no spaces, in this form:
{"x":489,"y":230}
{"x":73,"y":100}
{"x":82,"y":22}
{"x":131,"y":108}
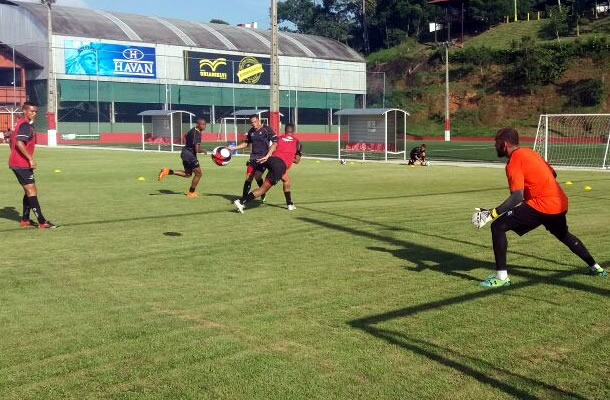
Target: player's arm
{"x":299,"y":153}
{"x":199,"y":150}
{"x":24,"y":135}
{"x":23,"y":150}
{"x":511,"y":202}
{"x":242,"y":145}
{"x":269,"y":153}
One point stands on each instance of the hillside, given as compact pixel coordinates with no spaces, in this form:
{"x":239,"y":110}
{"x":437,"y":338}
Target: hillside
{"x":484,"y":97}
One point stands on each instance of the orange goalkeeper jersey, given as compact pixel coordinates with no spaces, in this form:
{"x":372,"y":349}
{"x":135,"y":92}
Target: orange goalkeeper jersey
{"x":528,"y":171}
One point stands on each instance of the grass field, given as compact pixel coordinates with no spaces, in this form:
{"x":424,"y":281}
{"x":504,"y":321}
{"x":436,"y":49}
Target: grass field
{"x":369,"y":290}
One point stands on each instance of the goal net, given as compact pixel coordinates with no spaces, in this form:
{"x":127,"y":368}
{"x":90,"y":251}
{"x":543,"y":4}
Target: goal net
{"x":574,"y":140}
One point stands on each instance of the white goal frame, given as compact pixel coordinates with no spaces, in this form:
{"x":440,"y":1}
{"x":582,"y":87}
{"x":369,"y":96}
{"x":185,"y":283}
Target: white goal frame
{"x":549,"y":134}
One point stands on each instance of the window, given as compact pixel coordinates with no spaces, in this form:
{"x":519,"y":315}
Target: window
{"x":84,"y":111}
{"x":313,"y":116}
{"x":7,"y":75}
{"x":128,"y":112}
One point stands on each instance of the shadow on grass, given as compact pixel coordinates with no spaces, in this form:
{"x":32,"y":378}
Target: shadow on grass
{"x":231,"y":198}
{"x":165,"y":192}
{"x":453,"y":264}
{"x":480,"y":370}
{"x":10,"y":213}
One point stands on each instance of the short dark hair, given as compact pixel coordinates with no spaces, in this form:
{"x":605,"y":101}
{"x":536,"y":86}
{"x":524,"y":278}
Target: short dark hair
{"x":289,"y":125}
{"x":508,"y":135}
{"x":200,"y":120}
{"x":29,"y":104}
{"x":255,"y":116}
{"x":423,"y":145}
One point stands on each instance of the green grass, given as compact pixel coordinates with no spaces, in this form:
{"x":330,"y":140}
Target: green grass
{"x":367,"y":291}
{"x":501,"y":36}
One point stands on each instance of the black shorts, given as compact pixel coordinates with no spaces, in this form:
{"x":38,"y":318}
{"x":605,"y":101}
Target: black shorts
{"x":252,"y":167}
{"x":524,"y":219}
{"x":25,"y":176}
{"x":189,"y":161}
{"x":276,"y":168}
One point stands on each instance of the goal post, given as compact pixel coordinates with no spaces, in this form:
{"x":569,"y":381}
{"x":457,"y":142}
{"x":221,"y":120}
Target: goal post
{"x":574,"y":140}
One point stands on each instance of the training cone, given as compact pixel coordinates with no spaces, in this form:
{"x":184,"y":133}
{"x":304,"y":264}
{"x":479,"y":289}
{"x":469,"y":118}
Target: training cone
{"x":588,"y":188}
{"x":317,"y":161}
{"x":57,"y":171}
{"x":569,"y":183}
{"x":141,"y":179}
{"x":351,"y":163}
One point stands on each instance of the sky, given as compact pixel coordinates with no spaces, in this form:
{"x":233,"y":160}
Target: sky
{"x":231,"y":11}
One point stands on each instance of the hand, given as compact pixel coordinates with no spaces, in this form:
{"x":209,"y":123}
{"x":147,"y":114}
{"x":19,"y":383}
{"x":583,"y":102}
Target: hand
{"x":33,"y":164}
{"x":481,"y":217}
{"x":262,"y":160}
{"x":204,"y":151}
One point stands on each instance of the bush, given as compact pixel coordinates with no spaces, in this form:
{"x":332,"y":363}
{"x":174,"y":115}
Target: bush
{"x":583,"y":93}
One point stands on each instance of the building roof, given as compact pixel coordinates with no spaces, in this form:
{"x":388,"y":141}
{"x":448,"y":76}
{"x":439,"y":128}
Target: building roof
{"x":367,"y":111}
{"x":109,"y":25}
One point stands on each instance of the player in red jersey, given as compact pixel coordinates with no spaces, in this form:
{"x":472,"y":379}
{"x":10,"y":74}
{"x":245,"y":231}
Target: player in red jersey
{"x":278,"y":160}
{"x":21,"y":162}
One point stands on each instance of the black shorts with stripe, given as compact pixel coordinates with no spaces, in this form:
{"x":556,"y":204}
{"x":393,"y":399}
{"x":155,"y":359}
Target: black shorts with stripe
{"x":25,"y":176}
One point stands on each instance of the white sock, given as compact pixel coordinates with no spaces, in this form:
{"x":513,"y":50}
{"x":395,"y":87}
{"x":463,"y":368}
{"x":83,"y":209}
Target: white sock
{"x":596,"y":267}
{"x":502,"y":275}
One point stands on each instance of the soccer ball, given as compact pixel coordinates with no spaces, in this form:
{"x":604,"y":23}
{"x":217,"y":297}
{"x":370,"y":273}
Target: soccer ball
{"x":427,"y":163}
{"x":221,"y":156}
{"x":343,"y":161}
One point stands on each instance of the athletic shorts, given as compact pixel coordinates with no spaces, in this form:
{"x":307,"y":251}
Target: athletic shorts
{"x":252,"y":166}
{"x":189,"y":161}
{"x":276,"y":169}
{"x":524,"y":219}
{"x":25,"y":176}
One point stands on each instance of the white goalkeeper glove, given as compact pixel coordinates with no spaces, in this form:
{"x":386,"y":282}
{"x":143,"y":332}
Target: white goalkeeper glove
{"x":481,"y":217}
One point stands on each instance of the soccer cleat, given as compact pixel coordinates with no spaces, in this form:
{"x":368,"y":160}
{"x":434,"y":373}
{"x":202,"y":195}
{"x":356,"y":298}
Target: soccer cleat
{"x":264,"y":197}
{"x":240,"y":207}
{"x":291,"y":207}
{"x":24,"y":223}
{"x":192,"y":195}
{"x":493,"y":282}
{"x":162,"y":174}
{"x":598,"y":272}
{"x":47,"y":225}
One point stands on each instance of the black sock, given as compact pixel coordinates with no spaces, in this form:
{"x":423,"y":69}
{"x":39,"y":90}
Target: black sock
{"x":247,"y":186}
{"x":260,"y":181}
{"x":26,"y":208}
{"x":500,"y":245}
{"x":248,"y":198}
{"x":191,"y":190}
{"x":578,"y":248}
{"x":35,"y":206}
{"x":288,"y":197}
{"x":171,"y":172}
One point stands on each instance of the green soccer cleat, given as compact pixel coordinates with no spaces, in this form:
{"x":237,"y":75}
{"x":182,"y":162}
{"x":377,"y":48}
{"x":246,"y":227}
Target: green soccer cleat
{"x":493,"y":282}
{"x":598,"y":272}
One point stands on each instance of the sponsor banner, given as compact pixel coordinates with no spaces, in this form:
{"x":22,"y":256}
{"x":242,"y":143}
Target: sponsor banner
{"x":104,"y":59}
{"x":226,"y":68}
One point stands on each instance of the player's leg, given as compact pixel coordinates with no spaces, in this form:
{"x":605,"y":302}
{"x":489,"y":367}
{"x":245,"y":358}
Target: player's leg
{"x":198,"y":174}
{"x":276,"y":168}
{"x":25,"y":217}
{"x":32,"y":194}
{"x":248,"y":181}
{"x":258,"y":175}
{"x":521,"y":220}
{"x":287,"y":193}
{"x":30,"y":201}
{"x":178,"y":172}
{"x":558,"y":226}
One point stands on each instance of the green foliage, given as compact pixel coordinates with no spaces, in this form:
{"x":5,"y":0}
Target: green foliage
{"x":584,"y":93}
{"x":403,"y":52}
{"x":559,"y":22}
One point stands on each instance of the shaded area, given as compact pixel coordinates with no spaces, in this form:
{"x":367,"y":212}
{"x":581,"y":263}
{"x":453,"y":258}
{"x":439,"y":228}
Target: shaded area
{"x":172,"y":233}
{"x":165,"y":192}
{"x":10,"y":213}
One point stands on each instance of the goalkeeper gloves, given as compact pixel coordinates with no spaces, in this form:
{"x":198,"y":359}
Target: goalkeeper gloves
{"x":481,"y":217}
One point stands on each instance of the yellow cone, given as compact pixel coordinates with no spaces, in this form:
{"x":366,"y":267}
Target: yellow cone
{"x":352,"y":163}
{"x":57,"y":171}
{"x":317,"y":161}
{"x":141,"y":179}
{"x":588,"y":188}
{"x":569,"y":183}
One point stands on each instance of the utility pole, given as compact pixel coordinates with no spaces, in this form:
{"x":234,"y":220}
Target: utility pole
{"x":51,"y":99}
{"x":274,"y":111}
{"x":447,"y":115}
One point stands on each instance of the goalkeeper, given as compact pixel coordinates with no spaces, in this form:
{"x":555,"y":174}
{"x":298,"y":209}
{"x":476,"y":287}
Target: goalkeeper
{"x":536,"y":199}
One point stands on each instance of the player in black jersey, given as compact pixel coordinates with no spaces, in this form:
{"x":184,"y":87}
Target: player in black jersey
{"x":188,"y":155}
{"x":418,"y":155}
{"x":260,"y":138}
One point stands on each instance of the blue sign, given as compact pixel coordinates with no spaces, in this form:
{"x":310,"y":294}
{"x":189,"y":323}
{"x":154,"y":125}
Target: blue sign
{"x":104,"y":59}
